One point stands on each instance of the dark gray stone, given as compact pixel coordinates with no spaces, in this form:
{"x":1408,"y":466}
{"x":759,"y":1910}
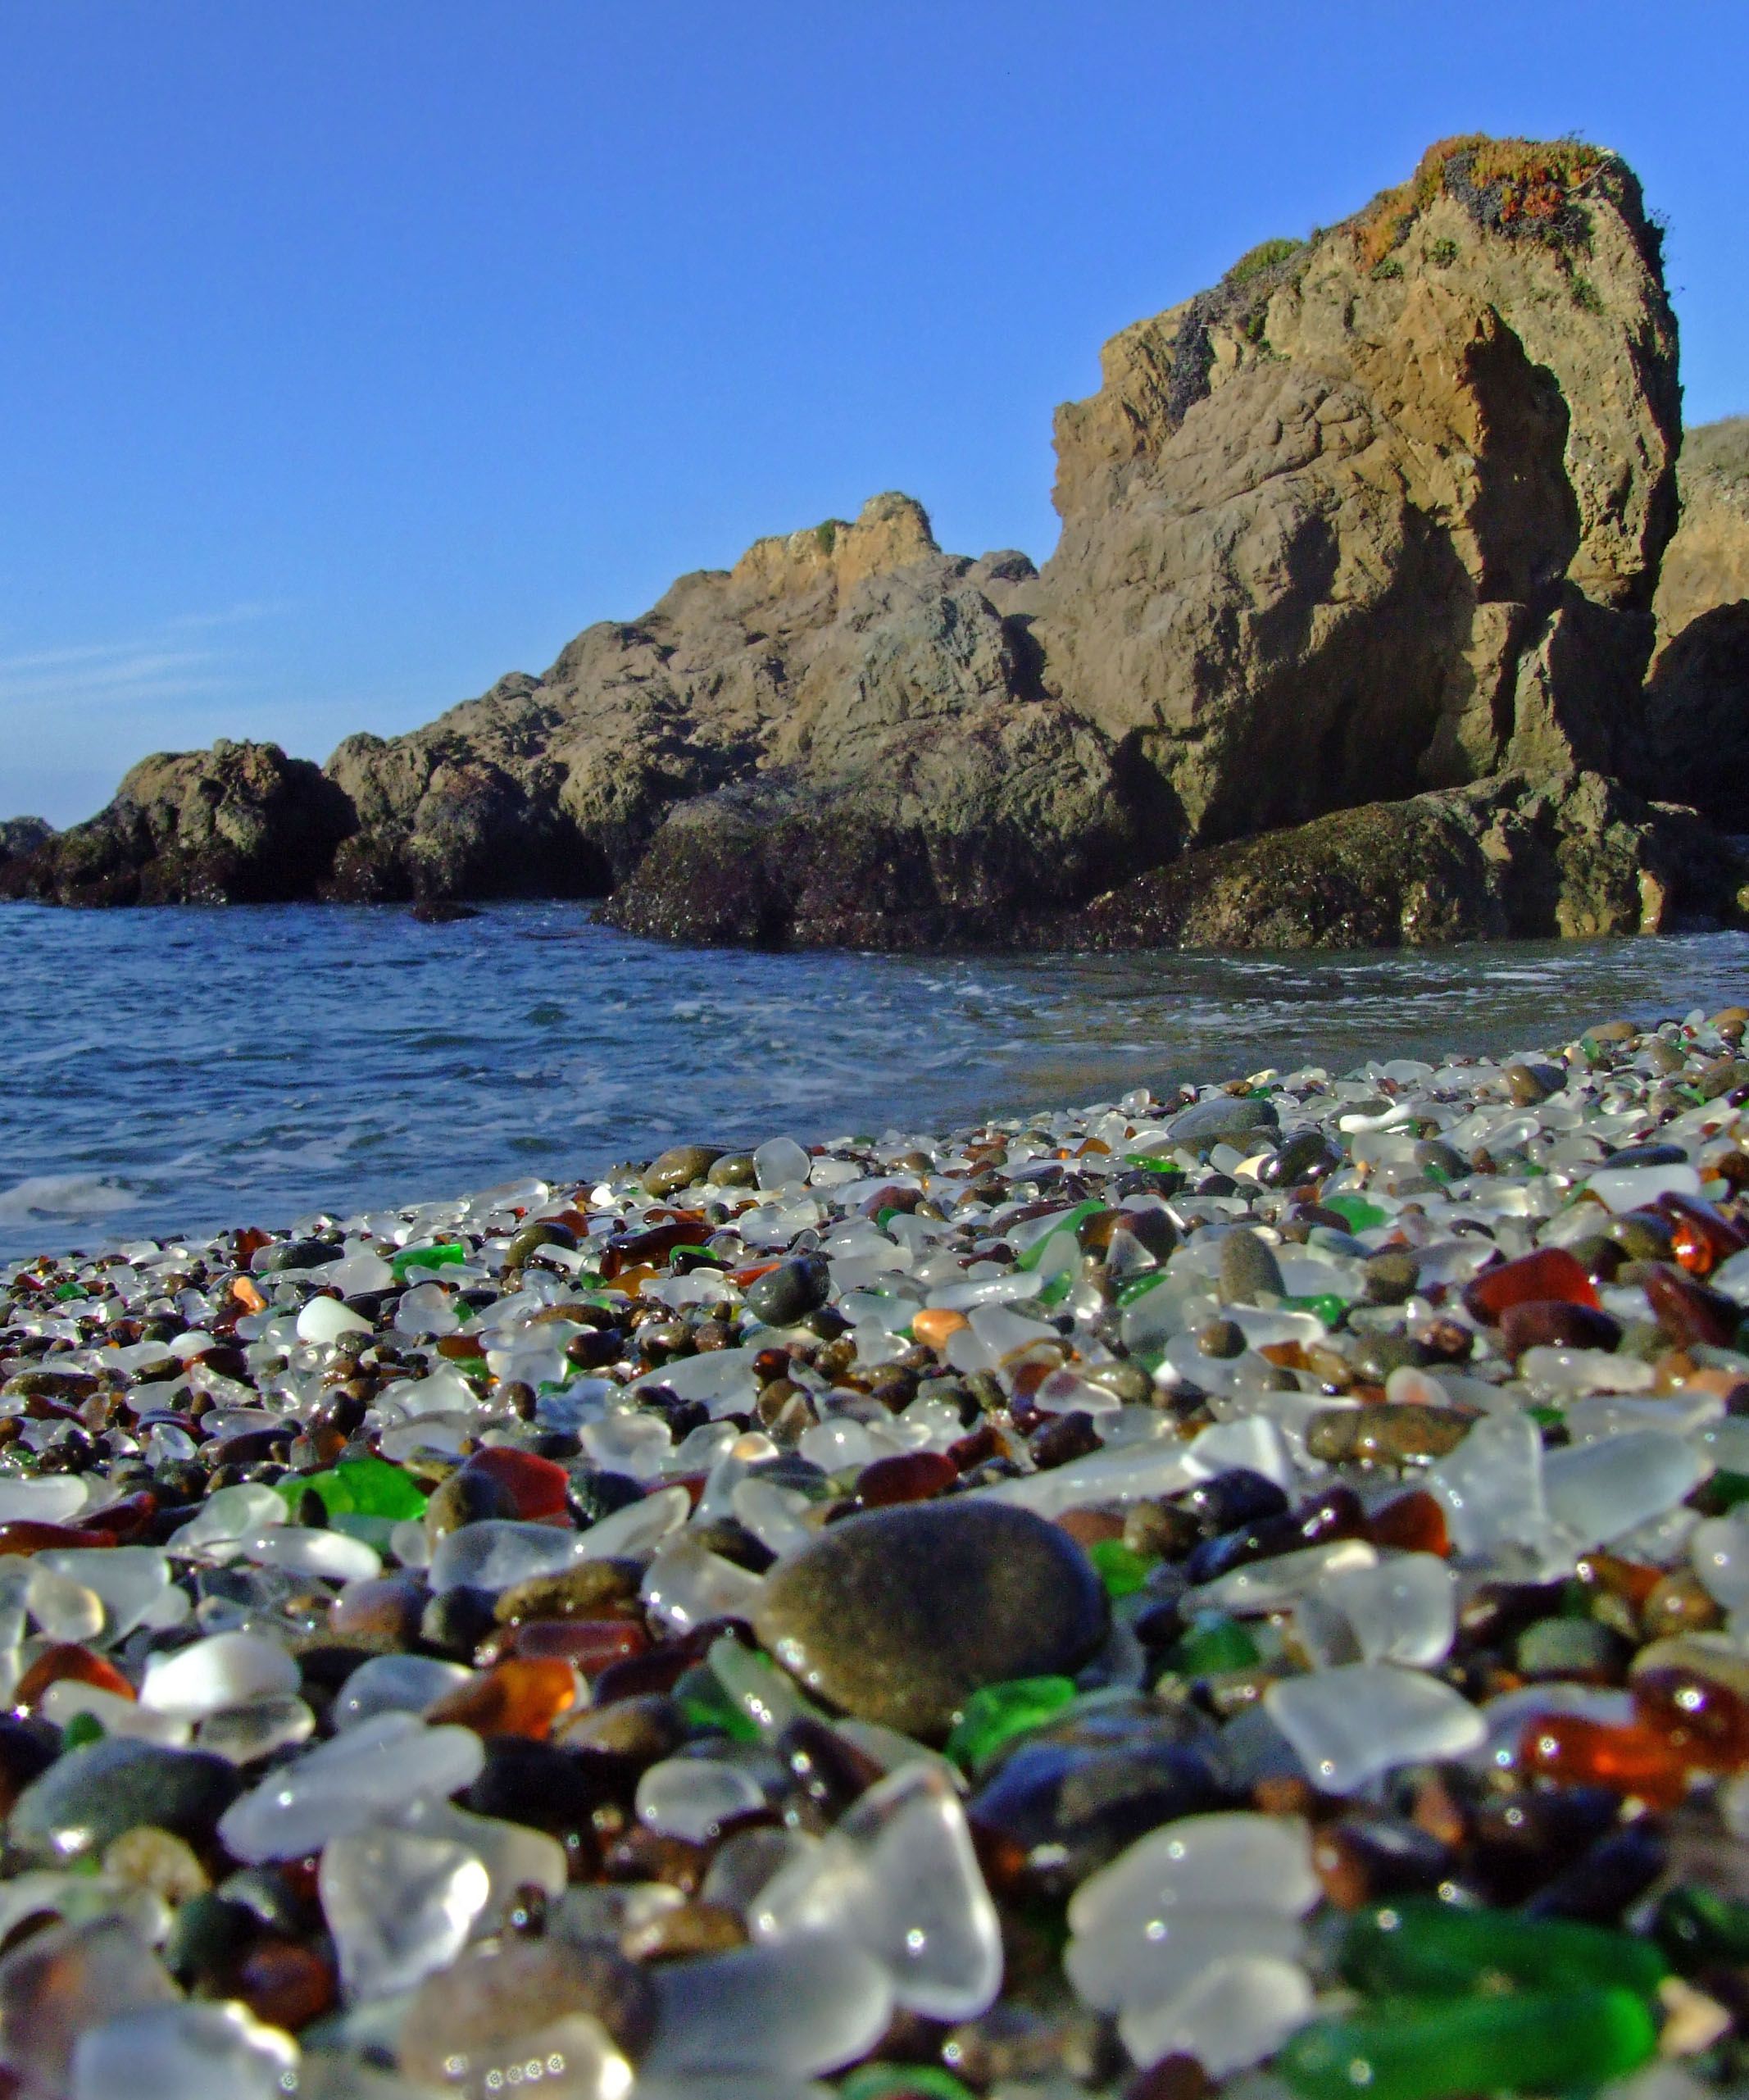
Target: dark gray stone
{"x":789,"y":1292}
{"x":89,"y":1796}
{"x":900,"y":1616}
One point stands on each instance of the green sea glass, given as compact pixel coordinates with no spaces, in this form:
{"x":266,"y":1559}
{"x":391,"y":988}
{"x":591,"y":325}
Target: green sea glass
{"x":995,"y":1712}
{"x":1211,"y":1645}
{"x":1324,"y":1305}
{"x":445,"y":1254}
{"x":361,"y":1487}
{"x":1541,"y":2041}
{"x":898,"y":2081}
{"x":1421,"y":1946}
{"x":1122,"y":1569}
{"x":1134,"y":1287}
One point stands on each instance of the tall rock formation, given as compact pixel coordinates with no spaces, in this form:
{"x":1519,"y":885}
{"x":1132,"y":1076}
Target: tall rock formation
{"x":1375,"y":523}
{"x":1383,"y":511}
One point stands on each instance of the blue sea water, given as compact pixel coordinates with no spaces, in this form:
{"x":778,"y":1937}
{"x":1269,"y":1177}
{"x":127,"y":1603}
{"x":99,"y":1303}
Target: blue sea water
{"x":178,"y":1071}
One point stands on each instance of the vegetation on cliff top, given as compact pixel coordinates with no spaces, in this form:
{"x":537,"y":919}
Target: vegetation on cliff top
{"x":1515,"y":186}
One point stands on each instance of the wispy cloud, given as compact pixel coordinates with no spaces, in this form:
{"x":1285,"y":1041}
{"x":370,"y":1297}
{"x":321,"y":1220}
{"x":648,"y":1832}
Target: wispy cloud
{"x":232,"y":616}
{"x":185,"y":657}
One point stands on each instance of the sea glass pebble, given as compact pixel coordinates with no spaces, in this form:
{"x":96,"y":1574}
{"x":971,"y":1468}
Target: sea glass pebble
{"x":225,"y":1669}
{"x":1349,"y":1724}
{"x":184,"y":2053}
{"x":399,"y":1905}
{"x":377,"y":1769}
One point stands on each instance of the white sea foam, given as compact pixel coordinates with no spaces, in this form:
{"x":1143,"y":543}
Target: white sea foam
{"x":64,"y":1196}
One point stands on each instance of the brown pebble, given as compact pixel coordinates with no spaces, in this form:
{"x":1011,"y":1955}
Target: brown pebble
{"x":638,"y":1854}
{"x":1160,"y":1528}
{"x":593,"y":1589}
{"x":690,"y":1929}
{"x":1555,"y":1324}
{"x":1088,"y":1527}
{"x":1222,"y":1338}
{"x":1065,"y":1438}
{"x":285,"y":1983}
{"x":1404,"y":1432}
{"x":1679,"y":1602}
{"x":382,"y":1610}
{"x":493,"y":1997}
{"x":645,"y":1729}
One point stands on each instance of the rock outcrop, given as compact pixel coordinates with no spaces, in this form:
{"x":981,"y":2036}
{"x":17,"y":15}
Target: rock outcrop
{"x":22,"y":835}
{"x":1697,"y":697}
{"x":1558,"y":857}
{"x":240,"y":824}
{"x":1384,"y":511}
{"x":846,"y":657}
{"x":1358,"y":565}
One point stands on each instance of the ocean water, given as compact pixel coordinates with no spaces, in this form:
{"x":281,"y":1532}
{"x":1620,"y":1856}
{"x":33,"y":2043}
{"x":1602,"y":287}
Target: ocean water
{"x":178,"y":1071}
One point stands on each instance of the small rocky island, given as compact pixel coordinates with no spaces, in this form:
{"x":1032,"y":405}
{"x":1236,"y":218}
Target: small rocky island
{"x":1383,"y":613}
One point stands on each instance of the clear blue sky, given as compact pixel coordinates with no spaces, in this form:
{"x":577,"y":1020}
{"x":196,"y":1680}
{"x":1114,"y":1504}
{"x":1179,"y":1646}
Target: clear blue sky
{"x":354,"y":352}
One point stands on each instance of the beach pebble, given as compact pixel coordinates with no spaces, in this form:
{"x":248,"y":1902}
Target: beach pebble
{"x":899,"y":1616}
{"x":482,"y":2010}
{"x":381,"y":1766}
{"x":89,"y":1796}
{"x":184,"y":2053}
{"x":399,"y":1905}
{"x":225,"y":1669}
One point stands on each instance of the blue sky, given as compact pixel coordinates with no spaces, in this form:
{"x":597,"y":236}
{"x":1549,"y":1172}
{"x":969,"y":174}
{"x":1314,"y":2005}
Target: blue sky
{"x":355,"y":352}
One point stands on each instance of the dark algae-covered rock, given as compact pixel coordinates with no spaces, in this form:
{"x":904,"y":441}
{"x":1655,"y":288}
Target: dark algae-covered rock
{"x":899,"y":1616}
{"x":239,"y":824}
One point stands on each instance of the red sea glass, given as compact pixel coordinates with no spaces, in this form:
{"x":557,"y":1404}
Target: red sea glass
{"x":1551,"y":1272}
{"x":1633,"y":1759}
{"x":537,"y":1486}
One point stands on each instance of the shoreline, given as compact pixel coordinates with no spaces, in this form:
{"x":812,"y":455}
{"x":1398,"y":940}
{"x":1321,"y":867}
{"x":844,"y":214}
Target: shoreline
{"x":418,"y":1063}
{"x":866,"y":1581}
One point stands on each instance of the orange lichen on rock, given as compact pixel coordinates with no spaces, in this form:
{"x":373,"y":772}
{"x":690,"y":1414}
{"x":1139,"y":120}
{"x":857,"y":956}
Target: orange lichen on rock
{"x":1534,"y":178}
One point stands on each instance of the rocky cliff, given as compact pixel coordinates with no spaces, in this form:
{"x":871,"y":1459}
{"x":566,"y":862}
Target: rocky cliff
{"x":1697,"y":698}
{"x":1384,"y":511}
{"x":1360,"y":553}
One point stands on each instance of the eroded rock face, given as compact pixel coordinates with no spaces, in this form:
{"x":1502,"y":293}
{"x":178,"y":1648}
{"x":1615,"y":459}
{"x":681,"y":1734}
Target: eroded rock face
{"x":1707,"y":565}
{"x":809,"y":658}
{"x":240,"y":824}
{"x":957,"y":831}
{"x":1697,"y":697}
{"x":1382,"y":512}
